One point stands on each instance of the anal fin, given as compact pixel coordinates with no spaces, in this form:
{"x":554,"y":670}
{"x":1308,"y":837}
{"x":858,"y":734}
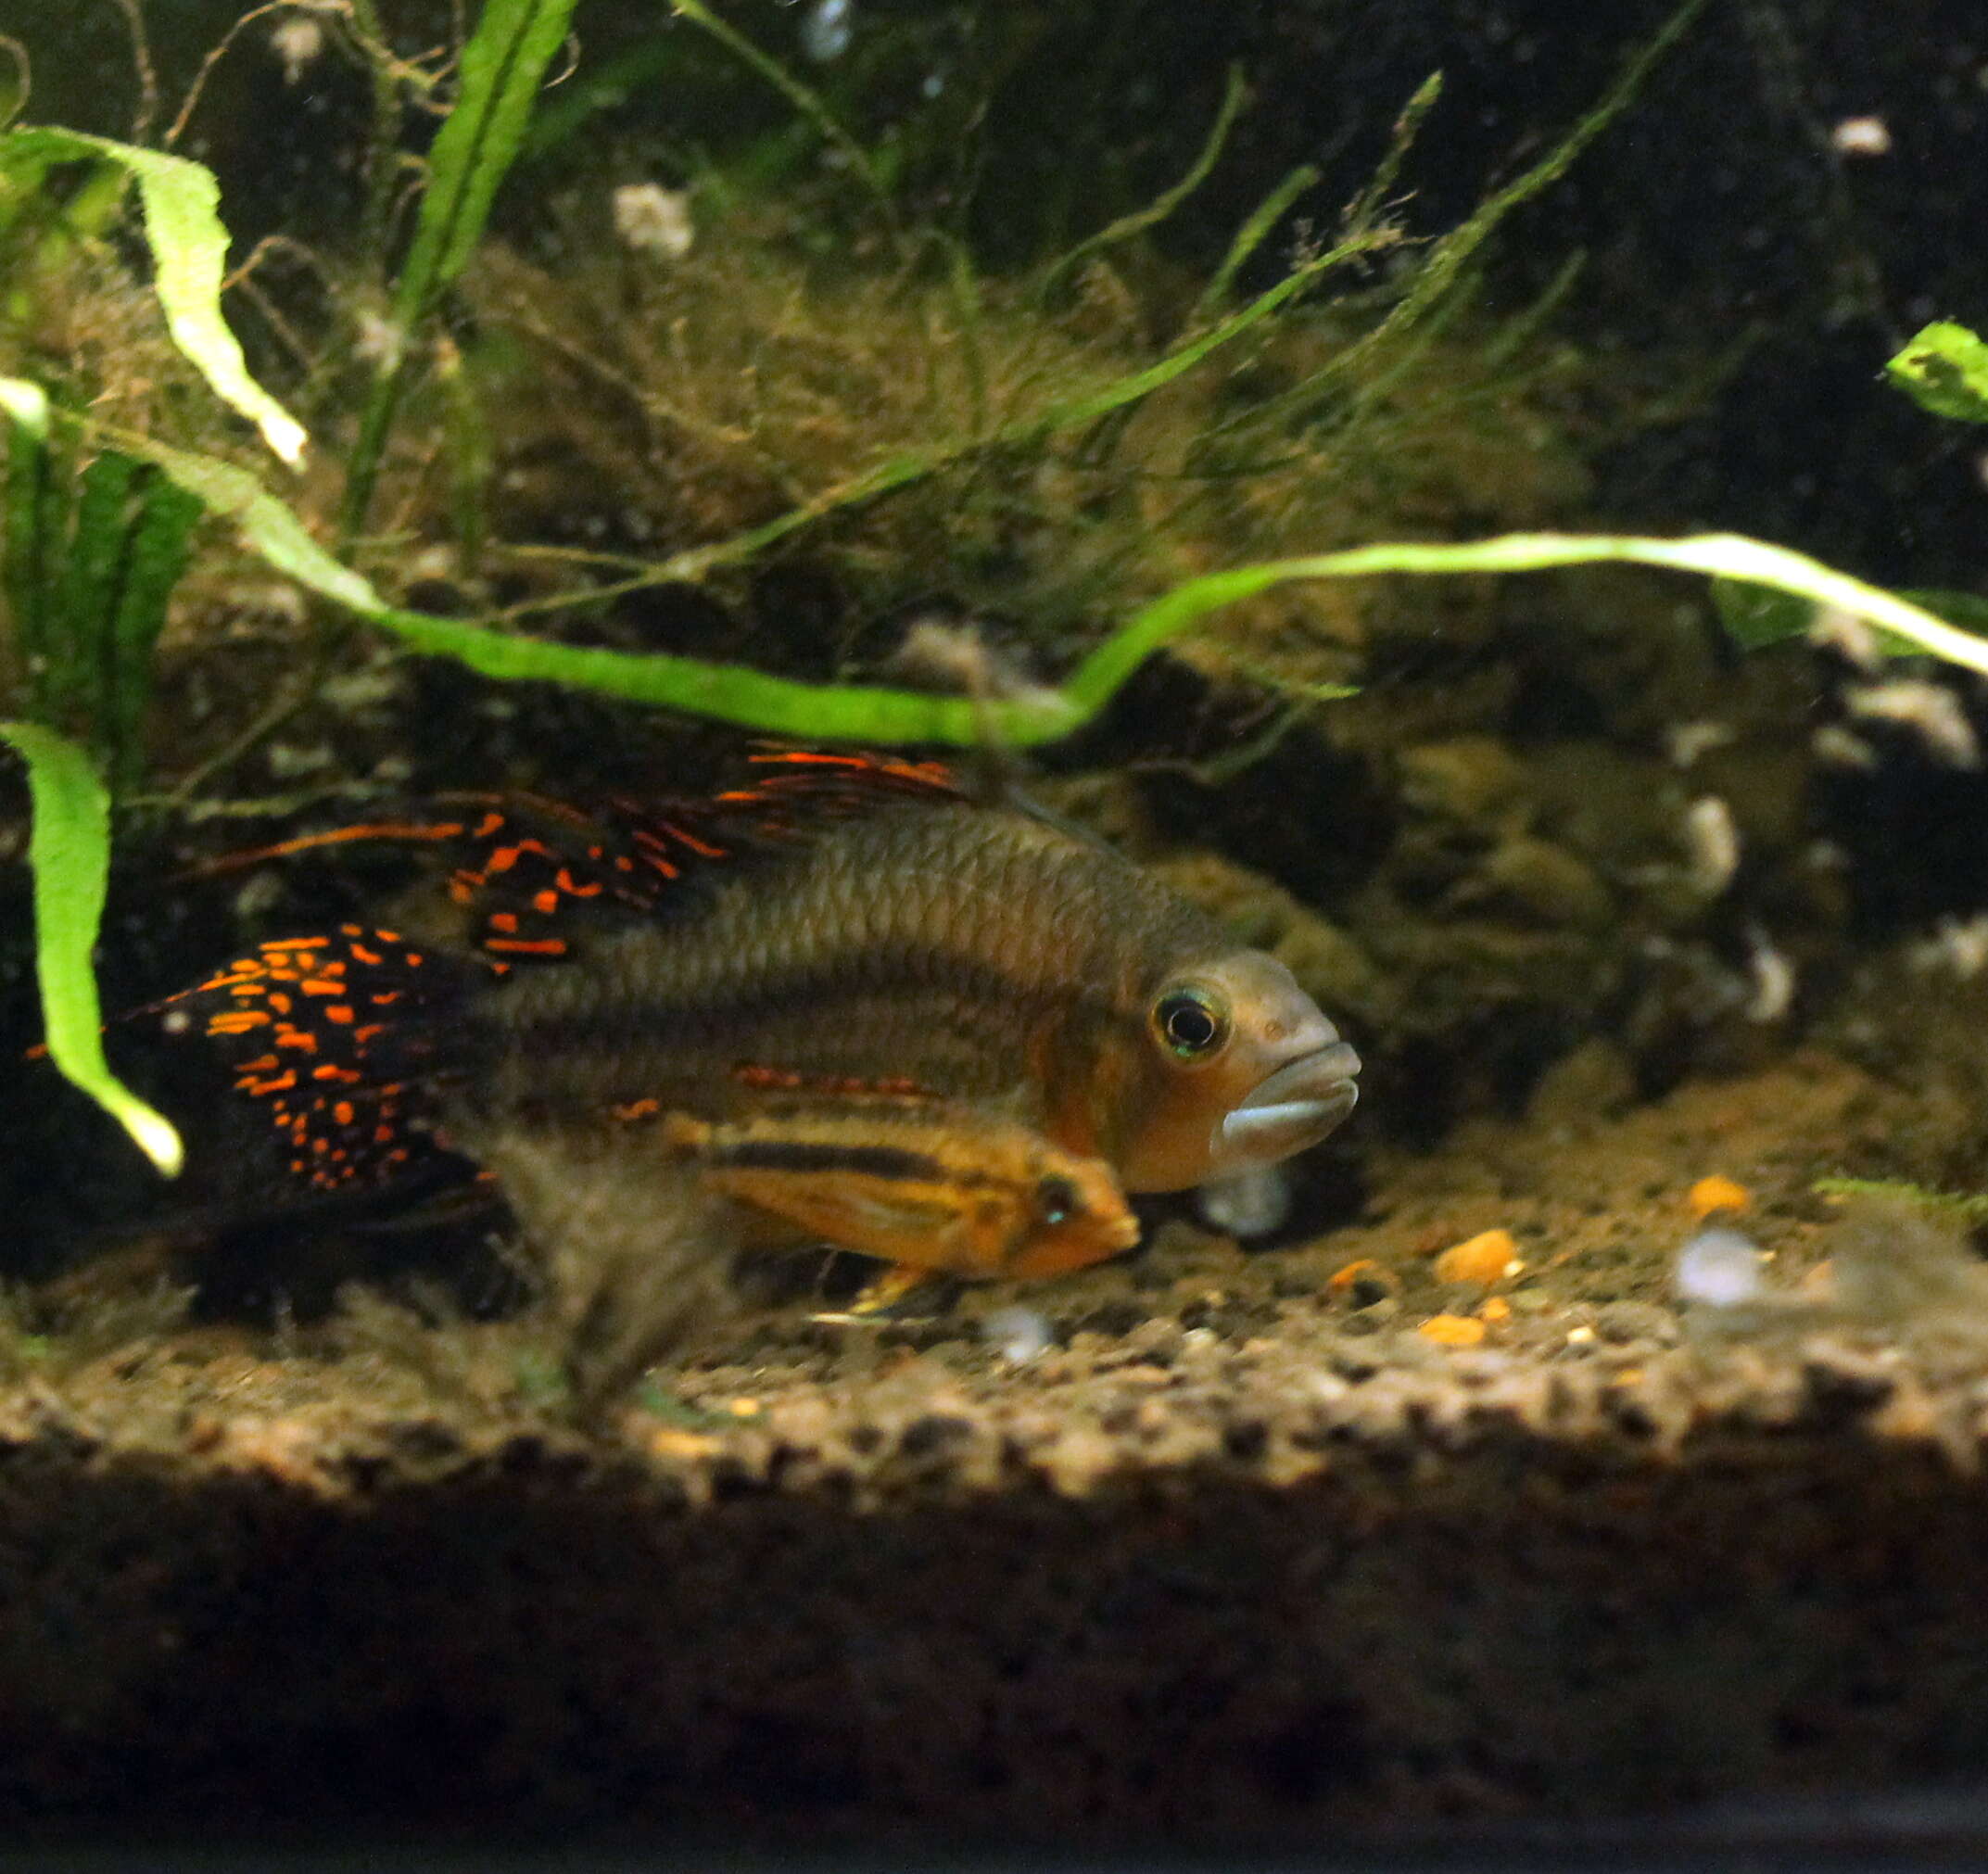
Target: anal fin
{"x":896,"y":1294}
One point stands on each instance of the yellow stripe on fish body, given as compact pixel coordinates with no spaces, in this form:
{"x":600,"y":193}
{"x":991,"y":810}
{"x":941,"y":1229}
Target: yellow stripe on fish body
{"x":933,"y":1185}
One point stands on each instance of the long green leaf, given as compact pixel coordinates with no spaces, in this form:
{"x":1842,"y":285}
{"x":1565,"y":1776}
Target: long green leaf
{"x":183,"y":226}
{"x":97,"y":556}
{"x":36,"y":525}
{"x":1731,"y":556}
{"x":71,"y":854}
{"x":856,"y":712}
{"x":159,"y":547}
{"x":725,"y":691}
{"x":504,"y":65}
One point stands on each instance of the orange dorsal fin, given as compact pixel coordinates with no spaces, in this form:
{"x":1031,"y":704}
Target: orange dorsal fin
{"x":531,"y":872}
{"x":790,"y":789}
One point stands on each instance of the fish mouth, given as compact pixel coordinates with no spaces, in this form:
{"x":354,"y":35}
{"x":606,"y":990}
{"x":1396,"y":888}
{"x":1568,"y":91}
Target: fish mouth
{"x":1289,"y":1109}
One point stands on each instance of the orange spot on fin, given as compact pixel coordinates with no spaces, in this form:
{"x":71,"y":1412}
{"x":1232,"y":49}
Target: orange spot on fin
{"x":356,"y":1080}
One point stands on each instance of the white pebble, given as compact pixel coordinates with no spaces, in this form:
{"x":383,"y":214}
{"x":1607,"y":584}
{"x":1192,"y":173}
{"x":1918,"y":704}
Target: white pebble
{"x":1931,"y":711}
{"x":1018,"y":1334}
{"x":1684,"y":741}
{"x":1959,"y":944}
{"x":1712,"y":837}
{"x":1773,"y":979}
{"x":827,"y":29}
{"x":1251,"y":1203}
{"x":298,"y":42}
{"x":650,"y":219}
{"x":1720,"y":1267}
{"x":1861,"y":136}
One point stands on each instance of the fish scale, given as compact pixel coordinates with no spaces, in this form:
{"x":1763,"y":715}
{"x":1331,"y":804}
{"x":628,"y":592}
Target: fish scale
{"x":796,"y":966}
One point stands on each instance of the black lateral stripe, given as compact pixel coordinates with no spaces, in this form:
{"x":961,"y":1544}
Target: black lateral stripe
{"x":794,"y":1155}
{"x":849,"y":968}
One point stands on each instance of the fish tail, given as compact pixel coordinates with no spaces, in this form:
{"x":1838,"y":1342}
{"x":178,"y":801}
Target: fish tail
{"x":341,"y":1040}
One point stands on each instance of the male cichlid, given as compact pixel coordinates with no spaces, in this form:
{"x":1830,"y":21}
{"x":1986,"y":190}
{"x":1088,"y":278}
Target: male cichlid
{"x":844,"y":955}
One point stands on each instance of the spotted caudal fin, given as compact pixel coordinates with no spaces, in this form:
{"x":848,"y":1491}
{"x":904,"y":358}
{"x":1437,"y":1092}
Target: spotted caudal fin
{"x":342,"y":1040}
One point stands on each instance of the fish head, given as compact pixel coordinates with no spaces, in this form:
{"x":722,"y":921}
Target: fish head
{"x":1077,"y":1216}
{"x":1233,"y":1067}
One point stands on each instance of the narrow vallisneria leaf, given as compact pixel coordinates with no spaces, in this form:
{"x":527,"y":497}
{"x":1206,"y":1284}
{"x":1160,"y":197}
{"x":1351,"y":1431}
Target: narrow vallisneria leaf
{"x":70,"y":850}
{"x":156,"y":551}
{"x":730,"y":692}
{"x":504,"y":62}
{"x":35,"y":523}
{"x":189,"y":246}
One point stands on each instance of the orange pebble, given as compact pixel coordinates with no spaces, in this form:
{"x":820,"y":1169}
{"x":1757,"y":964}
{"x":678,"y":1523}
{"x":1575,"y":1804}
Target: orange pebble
{"x":667,"y":1441}
{"x":1495,"y":1308}
{"x":1482,"y":1258}
{"x":1717,"y":1193}
{"x":1452,"y":1330}
{"x":1345,"y":1278}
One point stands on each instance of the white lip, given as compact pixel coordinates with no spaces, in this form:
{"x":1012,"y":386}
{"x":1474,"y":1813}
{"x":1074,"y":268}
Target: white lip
{"x":1289,"y":1109}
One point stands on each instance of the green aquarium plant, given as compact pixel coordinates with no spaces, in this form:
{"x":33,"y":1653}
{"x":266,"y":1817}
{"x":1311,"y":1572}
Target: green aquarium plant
{"x":504,"y":62}
{"x":1943,"y":369}
{"x":89,"y":562}
{"x":119,"y":531}
{"x":70,"y":854}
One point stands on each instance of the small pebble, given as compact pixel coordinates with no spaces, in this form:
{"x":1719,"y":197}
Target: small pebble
{"x":1717,"y":1193}
{"x":827,"y":29}
{"x":1364,"y":1283}
{"x":1861,"y":136}
{"x":298,"y":42}
{"x":650,"y":219}
{"x":1719,"y":1267}
{"x":1451,"y":1330}
{"x":1251,"y":1203}
{"x":1483,"y":1258}
{"x":1018,"y":1334}
{"x":1712,"y":837}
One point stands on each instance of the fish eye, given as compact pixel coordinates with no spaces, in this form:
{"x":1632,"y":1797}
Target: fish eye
{"x":1191,"y":1021}
{"x":1056,"y":1199}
